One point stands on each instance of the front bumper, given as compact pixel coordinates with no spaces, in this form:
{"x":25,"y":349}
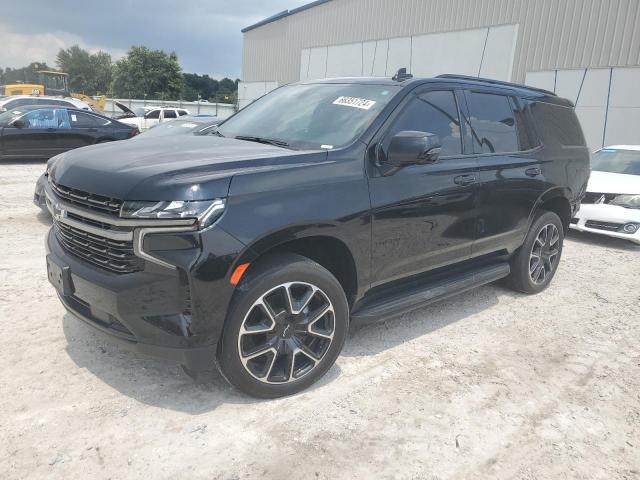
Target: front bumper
{"x":170,"y":313}
{"x":603,"y":219}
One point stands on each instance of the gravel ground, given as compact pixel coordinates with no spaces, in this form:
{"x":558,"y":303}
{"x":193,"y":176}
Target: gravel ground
{"x":490,"y":384}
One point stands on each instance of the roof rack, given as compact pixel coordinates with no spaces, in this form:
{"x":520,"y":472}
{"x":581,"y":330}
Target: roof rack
{"x":494,"y":82}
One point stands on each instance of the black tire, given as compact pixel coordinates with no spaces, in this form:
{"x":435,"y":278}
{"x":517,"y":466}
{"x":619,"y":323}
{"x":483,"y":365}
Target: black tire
{"x":526,"y":275}
{"x":279,"y":281}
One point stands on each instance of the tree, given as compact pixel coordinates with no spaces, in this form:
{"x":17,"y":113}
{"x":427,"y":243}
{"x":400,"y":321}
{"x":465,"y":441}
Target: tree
{"x":208,"y":88}
{"x":88,"y":73}
{"x":28,"y":74}
{"x":145,"y":73}
{"x":102,"y":73}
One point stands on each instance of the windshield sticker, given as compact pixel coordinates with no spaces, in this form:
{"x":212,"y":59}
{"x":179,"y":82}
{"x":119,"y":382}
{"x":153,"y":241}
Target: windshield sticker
{"x":355,"y":102}
{"x":189,"y":125}
{"x":326,"y":147}
{"x":74,"y":118}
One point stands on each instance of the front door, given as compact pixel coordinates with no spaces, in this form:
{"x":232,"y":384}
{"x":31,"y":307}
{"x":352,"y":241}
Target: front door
{"x":36,"y":138}
{"x":151,"y":119}
{"x":423,"y":215}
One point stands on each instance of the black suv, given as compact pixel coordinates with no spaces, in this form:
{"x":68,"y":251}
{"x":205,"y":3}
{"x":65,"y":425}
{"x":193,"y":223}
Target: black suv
{"x":252,"y":248}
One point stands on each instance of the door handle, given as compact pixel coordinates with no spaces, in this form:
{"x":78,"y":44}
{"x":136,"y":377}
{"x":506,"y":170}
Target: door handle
{"x":464,"y":180}
{"x":532,"y":172}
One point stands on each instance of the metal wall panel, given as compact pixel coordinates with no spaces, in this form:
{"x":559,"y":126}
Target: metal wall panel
{"x":552,"y":34}
{"x":607,"y":102}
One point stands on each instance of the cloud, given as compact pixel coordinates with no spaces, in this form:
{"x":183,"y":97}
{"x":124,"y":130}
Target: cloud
{"x":205,"y":34}
{"x":20,"y":49}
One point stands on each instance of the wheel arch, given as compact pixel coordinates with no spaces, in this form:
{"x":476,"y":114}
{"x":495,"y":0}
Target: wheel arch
{"x":328,"y":251}
{"x":555,"y":200}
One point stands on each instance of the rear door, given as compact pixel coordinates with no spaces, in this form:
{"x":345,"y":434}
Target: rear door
{"x":80,"y":129}
{"x":423,"y":215}
{"x":37,"y":138}
{"x":511,"y":170}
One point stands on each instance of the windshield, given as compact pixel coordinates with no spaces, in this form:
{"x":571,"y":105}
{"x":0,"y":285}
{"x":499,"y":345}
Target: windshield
{"x":7,"y":117}
{"x":311,"y":116}
{"x":616,"y":161}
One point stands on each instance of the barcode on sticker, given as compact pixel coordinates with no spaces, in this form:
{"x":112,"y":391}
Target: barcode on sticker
{"x":355,"y":102}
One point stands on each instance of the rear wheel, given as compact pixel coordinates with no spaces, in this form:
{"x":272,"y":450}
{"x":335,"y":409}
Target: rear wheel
{"x":286,"y":327}
{"x":536,"y":262}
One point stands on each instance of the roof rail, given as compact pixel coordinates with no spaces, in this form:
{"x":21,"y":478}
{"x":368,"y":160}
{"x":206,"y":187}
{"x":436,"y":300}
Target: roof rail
{"x":494,"y":82}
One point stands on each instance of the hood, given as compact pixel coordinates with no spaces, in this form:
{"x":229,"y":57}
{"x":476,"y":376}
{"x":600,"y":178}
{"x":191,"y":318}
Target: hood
{"x":127,"y":111}
{"x":171,"y":168}
{"x":620,"y":183}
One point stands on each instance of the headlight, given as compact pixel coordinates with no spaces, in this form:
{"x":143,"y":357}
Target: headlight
{"x":629,"y":201}
{"x":205,"y":211}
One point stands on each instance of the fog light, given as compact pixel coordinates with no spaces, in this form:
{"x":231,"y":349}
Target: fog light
{"x":631,"y":227}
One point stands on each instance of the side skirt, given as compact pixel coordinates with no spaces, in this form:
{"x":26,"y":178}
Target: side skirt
{"x":417,"y":296}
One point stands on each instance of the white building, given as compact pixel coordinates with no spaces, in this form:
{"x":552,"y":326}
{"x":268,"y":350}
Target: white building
{"x":584,"y":50}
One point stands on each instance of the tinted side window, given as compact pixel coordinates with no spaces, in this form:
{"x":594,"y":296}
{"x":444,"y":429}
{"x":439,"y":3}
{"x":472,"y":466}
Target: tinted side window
{"x":558,"y":125}
{"x":170,"y":114}
{"x":182,"y":112}
{"x":82,"y":120}
{"x":433,"y":112}
{"x":21,"y":102}
{"x":492,"y":123}
{"x":153,"y":114}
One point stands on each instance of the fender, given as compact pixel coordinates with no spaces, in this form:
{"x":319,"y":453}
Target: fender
{"x":329,"y":232}
{"x":550,"y":194}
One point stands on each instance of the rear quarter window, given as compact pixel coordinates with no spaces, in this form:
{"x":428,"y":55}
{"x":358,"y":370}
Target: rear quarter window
{"x":557,"y":125}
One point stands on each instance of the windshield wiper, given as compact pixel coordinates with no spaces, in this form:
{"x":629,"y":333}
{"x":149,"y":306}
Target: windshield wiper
{"x":268,"y":141}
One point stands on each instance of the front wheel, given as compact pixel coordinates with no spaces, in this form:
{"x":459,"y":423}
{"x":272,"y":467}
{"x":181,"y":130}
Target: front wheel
{"x":285,"y":328}
{"x":536,"y":262}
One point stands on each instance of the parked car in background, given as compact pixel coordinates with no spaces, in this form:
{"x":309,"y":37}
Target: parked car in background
{"x":197,"y":125}
{"x":611,"y":205}
{"x":44,"y":131}
{"x":15,"y":101}
{"x":147,"y":117}
{"x":252,"y":248}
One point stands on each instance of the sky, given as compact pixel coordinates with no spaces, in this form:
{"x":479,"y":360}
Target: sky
{"x":204,"y":33}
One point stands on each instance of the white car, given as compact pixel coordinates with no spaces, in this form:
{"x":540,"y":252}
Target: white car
{"x":147,"y":117}
{"x":611,"y":205}
{"x":15,"y":101}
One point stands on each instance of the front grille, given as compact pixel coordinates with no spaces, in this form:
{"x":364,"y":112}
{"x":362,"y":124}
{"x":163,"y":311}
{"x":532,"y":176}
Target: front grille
{"x":90,"y":201}
{"x":592,"y":197}
{"x":113,"y":255}
{"x":608,"y":226}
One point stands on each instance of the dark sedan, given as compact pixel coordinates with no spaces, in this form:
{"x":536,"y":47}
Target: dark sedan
{"x":44,"y":131}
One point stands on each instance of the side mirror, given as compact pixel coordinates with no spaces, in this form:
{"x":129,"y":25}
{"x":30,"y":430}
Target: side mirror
{"x":413,"y":148}
{"x":19,"y":123}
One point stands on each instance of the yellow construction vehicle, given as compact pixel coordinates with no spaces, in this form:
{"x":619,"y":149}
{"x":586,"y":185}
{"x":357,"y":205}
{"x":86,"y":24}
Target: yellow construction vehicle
{"x":51,"y":83}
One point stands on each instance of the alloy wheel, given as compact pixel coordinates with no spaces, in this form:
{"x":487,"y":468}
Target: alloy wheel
{"x":286,"y":333}
{"x":544,"y":254}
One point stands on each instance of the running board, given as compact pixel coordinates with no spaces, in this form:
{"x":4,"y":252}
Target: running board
{"x":430,"y":292}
